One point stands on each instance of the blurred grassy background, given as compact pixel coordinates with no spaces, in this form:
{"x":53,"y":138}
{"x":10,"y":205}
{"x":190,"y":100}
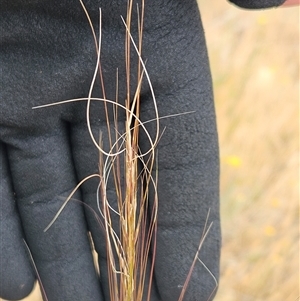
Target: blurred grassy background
{"x":255,"y":64}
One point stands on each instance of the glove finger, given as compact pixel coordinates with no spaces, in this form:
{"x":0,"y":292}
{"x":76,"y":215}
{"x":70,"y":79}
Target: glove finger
{"x":188,"y":192}
{"x":16,"y":275}
{"x":43,"y":175}
{"x":188,"y":170}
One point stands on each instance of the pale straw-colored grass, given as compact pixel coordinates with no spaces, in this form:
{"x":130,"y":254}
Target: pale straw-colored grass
{"x":129,"y":241}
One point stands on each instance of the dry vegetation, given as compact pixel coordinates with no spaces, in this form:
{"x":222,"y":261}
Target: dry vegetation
{"x":255,"y":64}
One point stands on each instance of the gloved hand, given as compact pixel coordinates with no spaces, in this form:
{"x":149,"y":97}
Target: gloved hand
{"x":48,"y":55}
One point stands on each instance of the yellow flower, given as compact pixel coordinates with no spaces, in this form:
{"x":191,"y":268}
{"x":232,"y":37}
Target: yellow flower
{"x":275,"y":203}
{"x":234,"y":161}
{"x":262,"y":20}
{"x":269,"y":230}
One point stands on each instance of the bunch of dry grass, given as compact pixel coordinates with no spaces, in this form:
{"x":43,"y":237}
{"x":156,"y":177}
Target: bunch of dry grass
{"x":128,"y":243}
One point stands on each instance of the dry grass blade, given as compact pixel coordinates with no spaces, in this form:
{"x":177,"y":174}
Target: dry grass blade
{"x":135,"y":236}
{"x":196,"y":258}
{"x":36,"y":272}
{"x":127,"y":253}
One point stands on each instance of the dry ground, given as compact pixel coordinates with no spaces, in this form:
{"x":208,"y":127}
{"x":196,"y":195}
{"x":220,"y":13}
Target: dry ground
{"x":255,"y":64}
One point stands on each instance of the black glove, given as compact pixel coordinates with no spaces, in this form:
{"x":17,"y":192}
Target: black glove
{"x":47,"y":55}
{"x":257,"y":3}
